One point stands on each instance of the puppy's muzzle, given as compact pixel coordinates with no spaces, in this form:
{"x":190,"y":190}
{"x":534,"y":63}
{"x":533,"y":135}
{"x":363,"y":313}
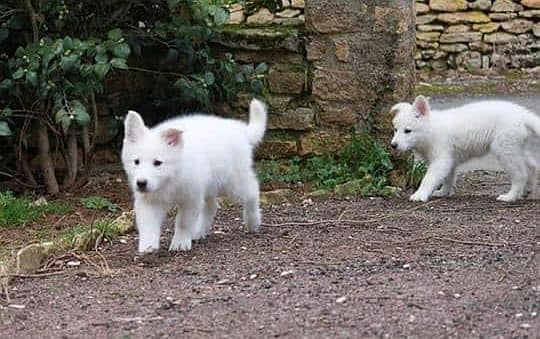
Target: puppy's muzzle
{"x":142,"y":185}
{"x":394,"y":145}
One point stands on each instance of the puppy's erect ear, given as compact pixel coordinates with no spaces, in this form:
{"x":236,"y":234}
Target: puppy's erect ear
{"x":172,"y":137}
{"x":134,"y":127}
{"x":421,"y":106}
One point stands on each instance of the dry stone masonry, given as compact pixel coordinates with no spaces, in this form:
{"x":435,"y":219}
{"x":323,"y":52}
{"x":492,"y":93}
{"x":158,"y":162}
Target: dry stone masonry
{"x":472,"y":35}
{"x":334,"y":66}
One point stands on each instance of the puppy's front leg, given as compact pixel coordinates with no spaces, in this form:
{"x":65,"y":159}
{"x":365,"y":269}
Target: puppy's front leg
{"x":436,"y":173}
{"x":149,"y":217}
{"x":185,"y":226}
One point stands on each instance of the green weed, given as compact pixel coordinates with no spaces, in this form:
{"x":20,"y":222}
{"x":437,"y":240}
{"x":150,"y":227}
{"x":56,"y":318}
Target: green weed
{"x":16,"y":211}
{"x":98,"y":203}
{"x":91,"y":233}
{"x":415,"y":172}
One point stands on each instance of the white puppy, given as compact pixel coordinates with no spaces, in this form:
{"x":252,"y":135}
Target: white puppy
{"x":446,"y":139}
{"x":187,"y":163}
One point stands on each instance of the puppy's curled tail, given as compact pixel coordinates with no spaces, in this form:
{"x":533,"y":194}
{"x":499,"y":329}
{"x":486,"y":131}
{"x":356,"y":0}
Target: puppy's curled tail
{"x":257,"y":121}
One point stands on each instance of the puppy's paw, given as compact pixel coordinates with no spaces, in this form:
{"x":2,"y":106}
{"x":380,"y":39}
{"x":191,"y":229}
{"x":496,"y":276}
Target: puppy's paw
{"x":442,"y":193}
{"x":147,"y":249}
{"x":507,"y":197}
{"x":180,"y":243}
{"x":200,"y":234}
{"x":419,"y":196}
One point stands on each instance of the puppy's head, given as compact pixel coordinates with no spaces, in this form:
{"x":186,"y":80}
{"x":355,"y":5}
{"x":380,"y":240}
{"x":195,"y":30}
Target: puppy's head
{"x":410,"y":123}
{"x":149,"y":156}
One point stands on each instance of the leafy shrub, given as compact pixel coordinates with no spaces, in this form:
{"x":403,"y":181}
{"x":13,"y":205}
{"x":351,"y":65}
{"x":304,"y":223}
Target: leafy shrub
{"x":56,"y":55}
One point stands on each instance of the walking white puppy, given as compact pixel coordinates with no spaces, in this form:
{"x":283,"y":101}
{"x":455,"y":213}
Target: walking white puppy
{"x":187,"y":163}
{"x":446,"y":139}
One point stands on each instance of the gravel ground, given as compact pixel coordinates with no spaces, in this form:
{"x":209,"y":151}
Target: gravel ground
{"x":461,"y":267}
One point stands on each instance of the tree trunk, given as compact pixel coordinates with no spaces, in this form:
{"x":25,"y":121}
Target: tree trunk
{"x":25,"y":167}
{"x":71,"y":159}
{"x":45,"y":160}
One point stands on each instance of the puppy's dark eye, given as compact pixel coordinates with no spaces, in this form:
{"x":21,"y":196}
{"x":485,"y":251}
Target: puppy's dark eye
{"x":407,"y":131}
{"x":395,"y":130}
{"x":136,"y":161}
{"x":157,"y":163}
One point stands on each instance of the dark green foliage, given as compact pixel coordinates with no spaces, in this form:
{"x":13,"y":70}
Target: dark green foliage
{"x":57,"y":54}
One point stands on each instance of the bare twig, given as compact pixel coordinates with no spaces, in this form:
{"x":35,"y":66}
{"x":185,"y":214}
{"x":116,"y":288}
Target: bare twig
{"x":457,"y":241}
{"x":137,"y":319}
{"x":20,"y":182}
{"x":39,"y":275}
{"x":479,"y":243}
{"x":349,"y":221}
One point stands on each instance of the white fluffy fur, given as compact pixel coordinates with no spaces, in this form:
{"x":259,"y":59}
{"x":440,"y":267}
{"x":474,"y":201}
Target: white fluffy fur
{"x":187,"y":163}
{"x":446,"y":139}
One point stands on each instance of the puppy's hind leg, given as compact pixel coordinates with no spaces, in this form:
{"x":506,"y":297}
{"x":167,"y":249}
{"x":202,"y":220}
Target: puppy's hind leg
{"x":515,"y":164}
{"x":532,"y":181}
{"x":207,"y":218}
{"x":252,"y":213}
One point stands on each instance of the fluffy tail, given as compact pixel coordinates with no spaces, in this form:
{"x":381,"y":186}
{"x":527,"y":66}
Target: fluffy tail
{"x":533,"y":123}
{"x":257,"y":121}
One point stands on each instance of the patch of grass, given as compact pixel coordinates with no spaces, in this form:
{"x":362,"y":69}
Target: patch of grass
{"x":415,"y":172}
{"x":98,"y":203}
{"x":18,"y":211}
{"x":86,"y":236}
{"x":362,"y":158}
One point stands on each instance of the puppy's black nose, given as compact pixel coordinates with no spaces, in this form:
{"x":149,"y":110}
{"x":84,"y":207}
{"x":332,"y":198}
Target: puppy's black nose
{"x":141,"y":184}
{"x":394,"y":145}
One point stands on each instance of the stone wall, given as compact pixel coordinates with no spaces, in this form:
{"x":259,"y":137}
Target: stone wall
{"x":471,"y":35}
{"x":334,"y":67}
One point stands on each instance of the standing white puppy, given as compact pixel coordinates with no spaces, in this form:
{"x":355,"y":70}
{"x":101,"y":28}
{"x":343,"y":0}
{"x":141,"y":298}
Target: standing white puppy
{"x":446,"y":139}
{"x":187,"y":163}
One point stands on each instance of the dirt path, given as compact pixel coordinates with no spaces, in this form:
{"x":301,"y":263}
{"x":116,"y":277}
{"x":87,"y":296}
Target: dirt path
{"x":462,"y":267}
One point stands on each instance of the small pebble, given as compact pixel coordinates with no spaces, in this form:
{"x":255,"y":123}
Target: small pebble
{"x":253,"y":276}
{"x":73,"y":263}
{"x":286,"y":273}
{"x":525,"y":326}
{"x":341,"y":300}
